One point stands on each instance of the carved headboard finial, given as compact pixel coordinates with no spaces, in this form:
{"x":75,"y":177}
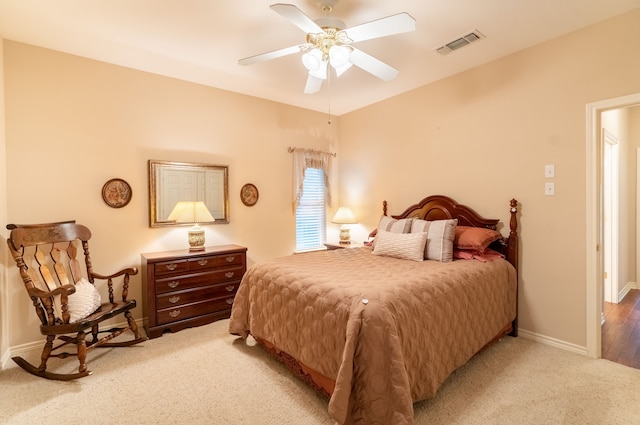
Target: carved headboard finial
{"x":513,"y":223}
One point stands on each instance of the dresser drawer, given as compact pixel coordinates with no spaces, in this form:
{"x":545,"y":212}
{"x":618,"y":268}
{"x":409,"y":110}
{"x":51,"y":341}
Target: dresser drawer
{"x":175,"y":266}
{"x":192,"y":310}
{"x":178,"y":298}
{"x":216,"y":261}
{"x":178,"y":283}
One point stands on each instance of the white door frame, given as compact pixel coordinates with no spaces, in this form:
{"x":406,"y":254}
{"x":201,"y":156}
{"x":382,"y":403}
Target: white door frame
{"x":637,"y":218}
{"x":611,"y":227}
{"x":593,"y":215}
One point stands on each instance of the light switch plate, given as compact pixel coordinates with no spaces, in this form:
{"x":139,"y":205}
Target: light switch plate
{"x":549,"y":188}
{"x":550,"y":171}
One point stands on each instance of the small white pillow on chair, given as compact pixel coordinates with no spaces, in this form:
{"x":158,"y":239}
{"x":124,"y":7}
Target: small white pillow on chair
{"x":84,"y":301}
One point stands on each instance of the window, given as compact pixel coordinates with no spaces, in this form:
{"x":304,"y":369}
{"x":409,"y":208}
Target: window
{"x":311,"y":212}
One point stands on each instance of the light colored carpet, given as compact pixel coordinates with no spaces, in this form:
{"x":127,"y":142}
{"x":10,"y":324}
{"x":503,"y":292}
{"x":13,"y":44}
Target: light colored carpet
{"x":206,"y":376}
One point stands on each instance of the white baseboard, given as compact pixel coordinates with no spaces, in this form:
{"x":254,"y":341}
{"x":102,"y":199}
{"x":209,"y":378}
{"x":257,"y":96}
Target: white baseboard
{"x":628,"y":287}
{"x":5,"y":361}
{"x":35,"y":347}
{"x":552,"y":341}
{"x":21,"y":350}
{"x":26,"y":349}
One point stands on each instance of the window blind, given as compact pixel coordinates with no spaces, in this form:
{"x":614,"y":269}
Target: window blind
{"x":311,"y":212}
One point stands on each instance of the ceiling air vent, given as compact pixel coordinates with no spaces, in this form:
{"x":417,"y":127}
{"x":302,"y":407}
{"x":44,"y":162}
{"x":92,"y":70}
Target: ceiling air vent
{"x":459,"y":42}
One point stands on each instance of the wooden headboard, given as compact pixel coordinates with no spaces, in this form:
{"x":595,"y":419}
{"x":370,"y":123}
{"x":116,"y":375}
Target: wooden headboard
{"x":439,"y":207}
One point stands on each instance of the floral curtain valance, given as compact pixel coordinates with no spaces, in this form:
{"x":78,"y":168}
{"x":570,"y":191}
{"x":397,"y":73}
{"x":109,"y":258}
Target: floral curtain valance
{"x":308,"y":158}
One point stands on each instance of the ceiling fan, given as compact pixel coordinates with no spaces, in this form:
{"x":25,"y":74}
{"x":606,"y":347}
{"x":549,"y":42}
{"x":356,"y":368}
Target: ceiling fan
{"x":330,"y":42}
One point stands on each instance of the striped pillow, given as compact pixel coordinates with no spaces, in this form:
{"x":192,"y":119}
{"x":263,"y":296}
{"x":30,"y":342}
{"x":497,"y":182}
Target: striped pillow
{"x":406,"y":246}
{"x":395,"y":225}
{"x":440,"y":235}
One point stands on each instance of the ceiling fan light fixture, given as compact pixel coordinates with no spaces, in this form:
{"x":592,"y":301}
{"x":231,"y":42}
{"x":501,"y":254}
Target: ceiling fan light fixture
{"x":341,"y":70}
{"x":339,"y":56}
{"x":312,"y":60}
{"x":321,"y":72}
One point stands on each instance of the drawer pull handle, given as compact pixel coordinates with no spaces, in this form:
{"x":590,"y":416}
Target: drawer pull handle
{"x":174,"y":313}
{"x":231,"y":258}
{"x":172,"y":266}
{"x":202,"y":262}
{"x":230,"y":288}
{"x":174,"y":299}
{"x":229,"y":301}
{"x":173,"y":284}
{"x":229,"y":275}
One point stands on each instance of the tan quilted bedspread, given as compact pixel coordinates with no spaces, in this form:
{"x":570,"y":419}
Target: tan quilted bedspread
{"x":421,"y":321}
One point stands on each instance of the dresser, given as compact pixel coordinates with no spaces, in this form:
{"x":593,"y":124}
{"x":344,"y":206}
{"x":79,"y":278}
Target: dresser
{"x":183,"y":289}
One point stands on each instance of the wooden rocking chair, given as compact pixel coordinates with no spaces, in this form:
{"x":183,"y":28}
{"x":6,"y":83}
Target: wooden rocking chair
{"x":64,"y":296}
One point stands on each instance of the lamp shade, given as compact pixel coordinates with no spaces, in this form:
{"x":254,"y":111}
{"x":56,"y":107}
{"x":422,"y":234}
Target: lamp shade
{"x":194,"y":213}
{"x":344,"y":216}
{"x":312,"y":60}
{"x":190,"y":212}
{"x":339,"y":56}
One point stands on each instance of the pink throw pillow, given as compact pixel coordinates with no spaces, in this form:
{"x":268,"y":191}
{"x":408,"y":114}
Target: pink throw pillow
{"x":474,"y":238}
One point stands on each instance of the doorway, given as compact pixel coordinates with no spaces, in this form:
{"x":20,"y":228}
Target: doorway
{"x":594,"y":215}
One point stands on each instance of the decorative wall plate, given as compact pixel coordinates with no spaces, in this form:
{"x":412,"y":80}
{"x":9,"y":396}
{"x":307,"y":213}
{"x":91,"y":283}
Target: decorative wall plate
{"x":116,"y":193}
{"x":249,"y":194}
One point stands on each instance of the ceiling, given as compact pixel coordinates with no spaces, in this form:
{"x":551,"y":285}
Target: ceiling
{"x":202,"y":40}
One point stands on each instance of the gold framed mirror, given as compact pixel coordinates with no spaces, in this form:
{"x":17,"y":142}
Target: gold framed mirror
{"x":171,"y":182}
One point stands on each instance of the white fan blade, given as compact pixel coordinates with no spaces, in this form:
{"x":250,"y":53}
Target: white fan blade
{"x":394,"y":24}
{"x":372,"y":65}
{"x":296,"y":17}
{"x":313,"y":84}
{"x":272,"y":55}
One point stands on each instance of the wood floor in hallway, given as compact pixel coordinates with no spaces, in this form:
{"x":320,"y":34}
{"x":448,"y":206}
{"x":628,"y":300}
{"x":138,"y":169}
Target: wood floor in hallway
{"x":621,"y":330}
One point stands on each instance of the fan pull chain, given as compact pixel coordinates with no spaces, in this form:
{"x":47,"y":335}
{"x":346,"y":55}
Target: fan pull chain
{"x":329,"y":89}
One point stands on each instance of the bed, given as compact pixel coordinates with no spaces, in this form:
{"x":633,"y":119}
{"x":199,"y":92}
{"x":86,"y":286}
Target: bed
{"x":374,"y":329}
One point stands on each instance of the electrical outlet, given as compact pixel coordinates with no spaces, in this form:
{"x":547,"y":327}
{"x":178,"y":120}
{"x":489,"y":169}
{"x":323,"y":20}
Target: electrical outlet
{"x":549,"y":188}
{"x":550,"y":171}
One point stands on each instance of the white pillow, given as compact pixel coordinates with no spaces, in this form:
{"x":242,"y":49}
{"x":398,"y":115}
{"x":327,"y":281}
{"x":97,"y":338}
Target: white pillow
{"x":440,"y":236}
{"x":407,"y":246}
{"x":84,"y":301}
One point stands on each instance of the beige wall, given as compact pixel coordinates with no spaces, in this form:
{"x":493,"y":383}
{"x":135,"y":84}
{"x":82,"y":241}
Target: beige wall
{"x":4,"y":331}
{"x":74,"y":123}
{"x":484,"y":136}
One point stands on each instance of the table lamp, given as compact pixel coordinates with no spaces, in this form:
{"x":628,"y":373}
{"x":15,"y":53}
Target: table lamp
{"x":344,"y":217}
{"x":192,"y":212}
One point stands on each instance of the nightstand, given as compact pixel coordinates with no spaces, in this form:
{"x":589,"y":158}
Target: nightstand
{"x":183,"y":289}
{"x":336,"y":245}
